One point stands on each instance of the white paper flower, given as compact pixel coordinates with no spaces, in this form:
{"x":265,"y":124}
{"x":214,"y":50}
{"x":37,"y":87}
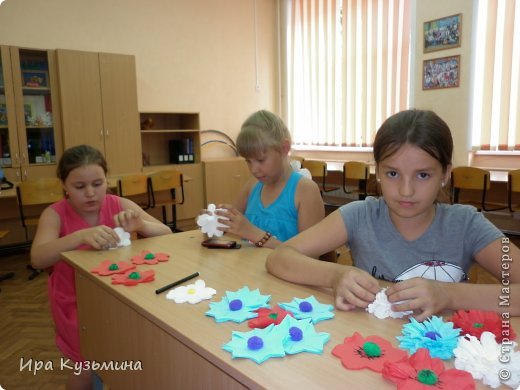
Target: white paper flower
{"x":124,"y":238}
{"x":381,"y":308}
{"x":482,"y":359}
{"x":209,"y":222}
{"x":192,"y":293}
{"x":297,"y":167}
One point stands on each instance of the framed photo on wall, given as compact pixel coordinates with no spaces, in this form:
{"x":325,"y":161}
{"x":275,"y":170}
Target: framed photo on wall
{"x":443,"y":33}
{"x":441,"y":72}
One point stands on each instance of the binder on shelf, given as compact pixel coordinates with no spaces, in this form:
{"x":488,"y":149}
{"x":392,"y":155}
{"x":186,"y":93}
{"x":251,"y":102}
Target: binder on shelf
{"x":181,"y":151}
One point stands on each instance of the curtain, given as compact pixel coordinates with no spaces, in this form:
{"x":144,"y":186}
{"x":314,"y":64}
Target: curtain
{"x":347,"y":68}
{"x":496,"y":69}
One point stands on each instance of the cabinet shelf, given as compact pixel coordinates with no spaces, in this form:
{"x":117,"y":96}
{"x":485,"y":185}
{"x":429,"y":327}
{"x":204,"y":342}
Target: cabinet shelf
{"x":170,"y":138}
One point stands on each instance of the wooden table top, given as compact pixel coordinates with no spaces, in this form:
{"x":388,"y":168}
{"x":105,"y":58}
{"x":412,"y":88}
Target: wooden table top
{"x":230,"y":270}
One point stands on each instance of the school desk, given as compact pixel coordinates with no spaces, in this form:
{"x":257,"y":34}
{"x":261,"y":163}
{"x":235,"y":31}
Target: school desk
{"x":180,"y":347}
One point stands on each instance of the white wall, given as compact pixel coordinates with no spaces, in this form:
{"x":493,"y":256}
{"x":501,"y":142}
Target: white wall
{"x":451,"y":104}
{"x":191,"y":55}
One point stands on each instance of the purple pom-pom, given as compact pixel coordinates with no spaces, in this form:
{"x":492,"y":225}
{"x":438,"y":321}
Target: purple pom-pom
{"x":432,"y":335}
{"x":235,"y":304}
{"x":295,"y":333}
{"x":305,"y":307}
{"x":255,"y":343}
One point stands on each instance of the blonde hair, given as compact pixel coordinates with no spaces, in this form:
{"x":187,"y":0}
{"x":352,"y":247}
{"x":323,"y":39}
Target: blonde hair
{"x":261,"y":131}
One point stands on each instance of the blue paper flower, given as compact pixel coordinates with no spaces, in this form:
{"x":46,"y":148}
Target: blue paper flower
{"x":300,"y":336}
{"x":439,"y":337}
{"x":309,"y":308}
{"x":238,"y":306}
{"x":257,"y":345}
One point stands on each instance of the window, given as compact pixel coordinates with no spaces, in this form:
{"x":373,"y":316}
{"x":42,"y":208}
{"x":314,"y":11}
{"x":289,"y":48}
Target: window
{"x":346,"y":68}
{"x":496,"y":71}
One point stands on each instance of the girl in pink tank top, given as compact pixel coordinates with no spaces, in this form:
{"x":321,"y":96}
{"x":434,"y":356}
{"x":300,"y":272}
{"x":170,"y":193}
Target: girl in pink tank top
{"x":84,"y":219}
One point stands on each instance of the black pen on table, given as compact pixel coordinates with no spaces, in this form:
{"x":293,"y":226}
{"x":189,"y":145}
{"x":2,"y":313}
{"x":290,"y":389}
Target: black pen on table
{"x":180,"y":281}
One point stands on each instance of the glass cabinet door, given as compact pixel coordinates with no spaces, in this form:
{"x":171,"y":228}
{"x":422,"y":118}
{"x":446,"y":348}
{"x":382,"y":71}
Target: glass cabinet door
{"x":37,"y":144}
{"x":9,"y":156}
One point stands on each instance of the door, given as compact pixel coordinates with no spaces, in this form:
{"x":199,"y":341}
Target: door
{"x":80,"y":92}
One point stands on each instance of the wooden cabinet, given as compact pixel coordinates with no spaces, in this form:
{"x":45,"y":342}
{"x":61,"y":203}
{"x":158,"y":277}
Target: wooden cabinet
{"x":99,"y":106}
{"x":173,"y":139}
{"x":30,"y":132}
{"x":224,"y":178}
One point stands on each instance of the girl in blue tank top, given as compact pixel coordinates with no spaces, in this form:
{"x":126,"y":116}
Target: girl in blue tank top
{"x":276,"y":203}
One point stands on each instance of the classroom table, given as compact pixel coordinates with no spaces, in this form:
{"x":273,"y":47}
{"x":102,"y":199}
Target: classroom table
{"x":179,"y":347}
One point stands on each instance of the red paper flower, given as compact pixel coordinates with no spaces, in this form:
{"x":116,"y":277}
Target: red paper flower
{"x":108,"y":267}
{"x":474,"y":322}
{"x":147,"y":257}
{"x":268,"y":316}
{"x":422,"y":372}
{"x":132,"y":278}
{"x":371,"y":352}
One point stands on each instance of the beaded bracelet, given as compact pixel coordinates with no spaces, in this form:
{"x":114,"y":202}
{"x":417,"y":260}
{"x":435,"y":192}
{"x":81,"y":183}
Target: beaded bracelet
{"x":264,"y":239}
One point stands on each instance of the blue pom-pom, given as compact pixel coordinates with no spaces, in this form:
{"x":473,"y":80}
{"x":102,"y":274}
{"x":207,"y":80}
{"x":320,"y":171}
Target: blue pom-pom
{"x":433,"y":335}
{"x":255,"y":343}
{"x":295,"y":333}
{"x":235,"y":304}
{"x":305,"y":307}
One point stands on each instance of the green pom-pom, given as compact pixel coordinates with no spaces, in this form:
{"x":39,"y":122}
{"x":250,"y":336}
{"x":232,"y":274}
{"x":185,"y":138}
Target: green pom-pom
{"x":428,"y":377}
{"x":371,"y":349}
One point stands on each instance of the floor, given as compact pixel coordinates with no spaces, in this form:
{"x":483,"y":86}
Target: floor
{"x":29,"y":358}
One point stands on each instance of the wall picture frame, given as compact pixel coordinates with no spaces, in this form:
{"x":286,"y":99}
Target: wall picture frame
{"x":443,"y":33}
{"x":35,"y":79}
{"x":441,"y":72}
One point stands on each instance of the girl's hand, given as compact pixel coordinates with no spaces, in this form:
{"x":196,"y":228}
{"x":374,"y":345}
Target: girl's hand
{"x":236,"y":222}
{"x":423,"y":296}
{"x":354,"y":287}
{"x":99,"y":237}
{"x":129,"y":220}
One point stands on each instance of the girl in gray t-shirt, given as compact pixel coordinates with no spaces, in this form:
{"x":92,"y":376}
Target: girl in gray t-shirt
{"x":406,"y":235}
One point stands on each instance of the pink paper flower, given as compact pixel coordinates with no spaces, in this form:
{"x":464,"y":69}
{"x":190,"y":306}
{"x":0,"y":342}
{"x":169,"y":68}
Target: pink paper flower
{"x":132,"y":278}
{"x":371,"y":352}
{"x":147,"y":257}
{"x":108,"y":267}
{"x":267,"y":316}
{"x":422,"y":372}
{"x":475,"y":322}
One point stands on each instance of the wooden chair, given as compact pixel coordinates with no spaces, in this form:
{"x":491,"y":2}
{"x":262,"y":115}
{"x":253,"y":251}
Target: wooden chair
{"x":318,"y":170}
{"x":136,"y":187}
{"x":32,"y":195}
{"x":513,"y":186}
{"x":167,"y":188}
{"x":476,"y":180}
{"x":355,"y":179}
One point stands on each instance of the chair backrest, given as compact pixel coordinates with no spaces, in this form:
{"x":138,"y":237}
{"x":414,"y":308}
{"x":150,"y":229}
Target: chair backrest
{"x":513,"y":180}
{"x":38,"y":192}
{"x":476,"y":179}
{"x":470,"y":178}
{"x":318,"y":169}
{"x":135,"y":185}
{"x":167,"y":180}
{"x":355,"y":170}
{"x":513,"y":185}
